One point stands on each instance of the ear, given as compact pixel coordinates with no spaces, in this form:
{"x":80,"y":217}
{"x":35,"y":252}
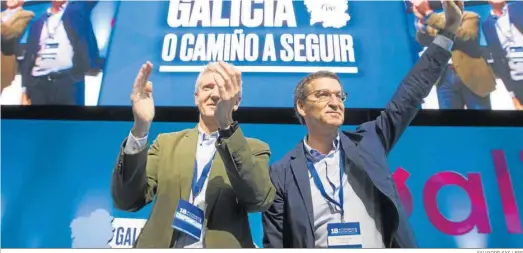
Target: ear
{"x":195,"y":98}
{"x":237,"y":105}
{"x":300,"y":107}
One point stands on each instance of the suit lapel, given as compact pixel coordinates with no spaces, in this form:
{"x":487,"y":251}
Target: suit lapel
{"x":490,"y":31}
{"x":217,"y":170}
{"x":187,"y":156}
{"x":514,"y":12}
{"x":301,"y":174}
{"x":351,"y":153}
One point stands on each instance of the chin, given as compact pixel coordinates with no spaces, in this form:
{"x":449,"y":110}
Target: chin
{"x":333,"y":123}
{"x":208,"y":112}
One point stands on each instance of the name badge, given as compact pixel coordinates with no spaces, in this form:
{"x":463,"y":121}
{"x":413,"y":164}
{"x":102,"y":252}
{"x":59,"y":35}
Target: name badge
{"x":515,"y":53}
{"x":344,"y":235}
{"x":188,"y":219}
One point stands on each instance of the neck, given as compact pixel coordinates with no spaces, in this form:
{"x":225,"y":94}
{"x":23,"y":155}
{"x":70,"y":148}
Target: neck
{"x":208,"y":125}
{"x":322,"y":140}
{"x":497,"y":9}
{"x":56,"y":7}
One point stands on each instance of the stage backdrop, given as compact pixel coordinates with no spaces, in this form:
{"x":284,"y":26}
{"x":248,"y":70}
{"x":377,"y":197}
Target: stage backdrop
{"x":274,"y":43}
{"x":56,"y":183}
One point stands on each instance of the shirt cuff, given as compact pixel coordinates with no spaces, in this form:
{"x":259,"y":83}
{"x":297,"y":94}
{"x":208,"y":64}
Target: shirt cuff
{"x":443,"y":42}
{"x":134,"y":145}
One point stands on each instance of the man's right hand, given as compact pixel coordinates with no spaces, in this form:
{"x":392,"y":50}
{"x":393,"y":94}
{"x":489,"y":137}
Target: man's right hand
{"x":453,"y":14}
{"x":421,"y":7}
{"x":142,"y":102}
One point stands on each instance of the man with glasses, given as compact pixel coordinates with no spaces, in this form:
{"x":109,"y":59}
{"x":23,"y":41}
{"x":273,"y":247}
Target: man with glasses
{"x":335,"y":189}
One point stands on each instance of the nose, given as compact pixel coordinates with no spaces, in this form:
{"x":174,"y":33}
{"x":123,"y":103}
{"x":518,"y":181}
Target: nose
{"x":334,"y":101}
{"x":215,"y":93}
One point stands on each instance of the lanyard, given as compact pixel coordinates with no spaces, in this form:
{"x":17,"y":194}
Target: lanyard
{"x":197,"y":183}
{"x":320,"y":187}
{"x":51,"y":34}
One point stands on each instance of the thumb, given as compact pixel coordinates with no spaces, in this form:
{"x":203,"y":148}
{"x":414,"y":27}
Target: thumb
{"x":149,"y":87}
{"x":445,"y":4}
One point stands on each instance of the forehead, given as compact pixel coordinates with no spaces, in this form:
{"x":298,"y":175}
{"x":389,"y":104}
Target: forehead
{"x":325,"y":83}
{"x":206,"y":78}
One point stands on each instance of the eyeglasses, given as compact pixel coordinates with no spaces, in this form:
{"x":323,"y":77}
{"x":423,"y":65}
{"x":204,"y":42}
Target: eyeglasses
{"x":326,"y":95}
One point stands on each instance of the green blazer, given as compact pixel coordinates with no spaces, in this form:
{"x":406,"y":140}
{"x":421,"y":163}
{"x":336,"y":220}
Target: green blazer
{"x":238,"y":183}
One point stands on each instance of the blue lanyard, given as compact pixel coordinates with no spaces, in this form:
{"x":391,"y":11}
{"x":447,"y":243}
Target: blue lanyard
{"x":197,"y":183}
{"x":320,"y":187}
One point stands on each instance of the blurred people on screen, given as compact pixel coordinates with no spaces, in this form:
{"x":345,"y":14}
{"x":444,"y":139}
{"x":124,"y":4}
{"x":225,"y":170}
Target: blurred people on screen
{"x":14,"y":21}
{"x":503,"y":30}
{"x":468,"y":79}
{"x":60,"y":51}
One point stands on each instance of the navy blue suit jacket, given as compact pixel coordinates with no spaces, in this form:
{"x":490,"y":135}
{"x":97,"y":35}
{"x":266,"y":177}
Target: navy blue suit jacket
{"x":500,"y":65}
{"x":77,"y":24}
{"x":289,"y":222}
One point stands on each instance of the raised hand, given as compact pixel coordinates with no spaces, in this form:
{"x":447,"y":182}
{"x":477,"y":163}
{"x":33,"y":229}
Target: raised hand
{"x":142,"y":101}
{"x":453,"y":14}
{"x":228,"y":80}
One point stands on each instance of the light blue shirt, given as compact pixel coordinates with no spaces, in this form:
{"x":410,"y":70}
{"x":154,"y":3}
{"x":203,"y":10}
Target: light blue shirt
{"x":328,"y":168}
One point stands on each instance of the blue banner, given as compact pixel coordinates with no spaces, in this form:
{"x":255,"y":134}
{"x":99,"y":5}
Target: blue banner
{"x":273,"y":43}
{"x":462,"y":186}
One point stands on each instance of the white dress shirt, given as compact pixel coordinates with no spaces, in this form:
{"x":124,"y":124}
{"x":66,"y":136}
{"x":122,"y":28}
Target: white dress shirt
{"x":56,"y":52}
{"x":204,"y":153}
{"x":328,"y":168}
{"x":510,"y":37}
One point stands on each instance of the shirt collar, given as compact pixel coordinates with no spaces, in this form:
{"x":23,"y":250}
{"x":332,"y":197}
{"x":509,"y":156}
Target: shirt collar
{"x":202,"y":136}
{"x":317,"y":155}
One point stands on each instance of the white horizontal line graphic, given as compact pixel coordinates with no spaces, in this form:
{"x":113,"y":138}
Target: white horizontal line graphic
{"x":266,"y":69}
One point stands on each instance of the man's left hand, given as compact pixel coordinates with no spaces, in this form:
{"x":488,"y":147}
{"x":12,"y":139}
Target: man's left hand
{"x":228,"y":80}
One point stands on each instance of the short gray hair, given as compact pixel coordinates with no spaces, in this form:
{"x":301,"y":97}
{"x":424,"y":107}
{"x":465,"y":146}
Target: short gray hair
{"x":301,"y":91}
{"x":205,"y":70}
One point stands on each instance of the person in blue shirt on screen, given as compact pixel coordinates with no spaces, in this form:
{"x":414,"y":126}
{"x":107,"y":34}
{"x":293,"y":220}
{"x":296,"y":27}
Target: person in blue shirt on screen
{"x":503,"y":30}
{"x":335,"y":189}
{"x":61,"y":49}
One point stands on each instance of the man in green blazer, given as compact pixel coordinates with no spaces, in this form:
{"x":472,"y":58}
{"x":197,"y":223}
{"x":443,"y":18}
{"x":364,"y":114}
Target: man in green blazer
{"x":205,"y":179}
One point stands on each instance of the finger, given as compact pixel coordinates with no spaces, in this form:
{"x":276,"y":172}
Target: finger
{"x":148,"y":70}
{"x":444,"y":4}
{"x":149,"y":87}
{"x":460,"y":5}
{"x":139,"y":80}
{"x":448,"y":3}
{"x":222,"y":91}
{"x":216,"y":67}
{"x":230,"y":72}
{"x":239,"y":77}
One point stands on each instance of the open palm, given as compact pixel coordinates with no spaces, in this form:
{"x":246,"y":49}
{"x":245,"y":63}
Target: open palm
{"x":142,"y":97}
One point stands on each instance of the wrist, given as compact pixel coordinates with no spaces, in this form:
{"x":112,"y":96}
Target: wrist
{"x":448,"y":33}
{"x":229,"y":131}
{"x":225,"y":123}
{"x":139,"y":130}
